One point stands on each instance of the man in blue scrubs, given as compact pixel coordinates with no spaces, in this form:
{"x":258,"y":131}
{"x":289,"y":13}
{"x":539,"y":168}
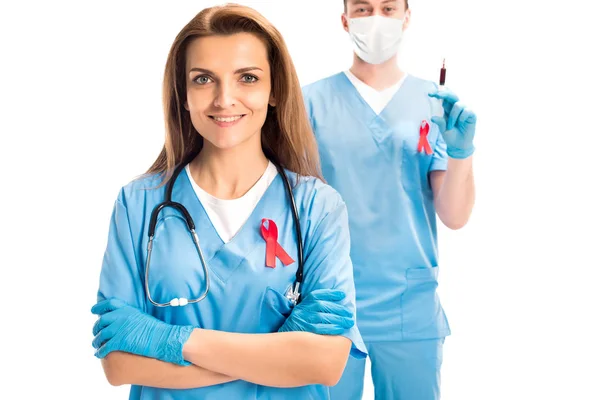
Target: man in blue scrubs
{"x":399,"y":150}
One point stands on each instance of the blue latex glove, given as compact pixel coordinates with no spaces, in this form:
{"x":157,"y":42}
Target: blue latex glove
{"x":320,"y":312}
{"x":457,"y":126}
{"x":122,"y":327}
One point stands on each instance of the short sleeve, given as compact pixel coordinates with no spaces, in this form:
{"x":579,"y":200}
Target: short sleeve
{"x":328,"y":266}
{"x":439,"y":161}
{"x":121,"y":274}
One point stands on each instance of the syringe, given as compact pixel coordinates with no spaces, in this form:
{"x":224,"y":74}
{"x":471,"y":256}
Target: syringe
{"x":443,"y":74}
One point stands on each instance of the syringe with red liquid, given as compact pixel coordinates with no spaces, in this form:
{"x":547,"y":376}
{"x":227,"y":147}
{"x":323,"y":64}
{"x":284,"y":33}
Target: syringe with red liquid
{"x":443,"y":73}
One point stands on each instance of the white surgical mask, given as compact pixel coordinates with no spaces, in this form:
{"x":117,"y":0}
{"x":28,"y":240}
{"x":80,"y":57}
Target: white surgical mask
{"x":376,"y":39}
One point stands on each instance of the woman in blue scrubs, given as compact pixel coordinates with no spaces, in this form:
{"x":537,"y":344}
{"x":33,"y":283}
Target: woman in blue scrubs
{"x":234,"y":110}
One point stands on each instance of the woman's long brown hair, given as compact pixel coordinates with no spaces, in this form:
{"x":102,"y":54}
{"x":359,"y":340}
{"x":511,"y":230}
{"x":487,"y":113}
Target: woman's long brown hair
{"x":287,"y":137}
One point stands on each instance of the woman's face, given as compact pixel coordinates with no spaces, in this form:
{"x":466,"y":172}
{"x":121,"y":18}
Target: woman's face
{"x":228,"y":88}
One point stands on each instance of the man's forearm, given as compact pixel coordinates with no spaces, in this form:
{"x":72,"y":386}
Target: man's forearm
{"x":288,"y":359}
{"x":456,"y":196}
{"x":124,"y":368}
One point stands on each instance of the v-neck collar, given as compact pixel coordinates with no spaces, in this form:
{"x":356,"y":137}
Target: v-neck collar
{"x":359,"y":106}
{"x":272,"y":205}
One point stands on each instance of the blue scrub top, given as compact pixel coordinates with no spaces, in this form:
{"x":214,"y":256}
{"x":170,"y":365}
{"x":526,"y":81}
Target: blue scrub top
{"x":373,"y":162}
{"x":245,"y":296}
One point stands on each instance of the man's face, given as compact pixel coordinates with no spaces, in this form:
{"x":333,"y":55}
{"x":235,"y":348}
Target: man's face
{"x":369,"y":8}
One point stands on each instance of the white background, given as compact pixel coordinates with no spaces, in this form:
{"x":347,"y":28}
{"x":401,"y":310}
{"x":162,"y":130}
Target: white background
{"x":81,"y":115}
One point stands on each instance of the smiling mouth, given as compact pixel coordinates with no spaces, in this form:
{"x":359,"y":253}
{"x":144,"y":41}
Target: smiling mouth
{"x":227,"y":119}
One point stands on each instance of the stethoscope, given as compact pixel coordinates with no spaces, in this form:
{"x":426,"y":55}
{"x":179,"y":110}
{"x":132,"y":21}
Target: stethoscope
{"x":293,"y":293}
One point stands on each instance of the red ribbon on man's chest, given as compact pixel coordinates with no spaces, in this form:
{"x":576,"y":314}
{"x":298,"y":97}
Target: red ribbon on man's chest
{"x":423,"y":142}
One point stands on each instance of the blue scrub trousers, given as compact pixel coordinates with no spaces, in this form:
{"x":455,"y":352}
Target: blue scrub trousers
{"x":407,"y":370}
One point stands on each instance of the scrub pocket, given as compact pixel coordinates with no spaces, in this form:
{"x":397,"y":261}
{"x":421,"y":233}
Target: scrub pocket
{"x":422,"y":313}
{"x":274,"y":311}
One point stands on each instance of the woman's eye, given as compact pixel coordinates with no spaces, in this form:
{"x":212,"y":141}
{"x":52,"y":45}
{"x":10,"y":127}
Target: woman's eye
{"x":202,"y":80}
{"x":249,"y":78}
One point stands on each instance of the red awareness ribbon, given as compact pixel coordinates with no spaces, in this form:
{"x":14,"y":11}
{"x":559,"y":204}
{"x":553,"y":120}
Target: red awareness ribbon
{"x":423,"y":143}
{"x":274,"y":249}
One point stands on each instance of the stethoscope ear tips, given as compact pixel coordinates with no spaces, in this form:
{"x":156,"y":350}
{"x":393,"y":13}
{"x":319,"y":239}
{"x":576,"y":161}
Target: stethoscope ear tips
{"x":178,"y":302}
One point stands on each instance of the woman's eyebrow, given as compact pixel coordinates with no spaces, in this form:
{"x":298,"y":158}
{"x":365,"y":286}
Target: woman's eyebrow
{"x":238,"y":71}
